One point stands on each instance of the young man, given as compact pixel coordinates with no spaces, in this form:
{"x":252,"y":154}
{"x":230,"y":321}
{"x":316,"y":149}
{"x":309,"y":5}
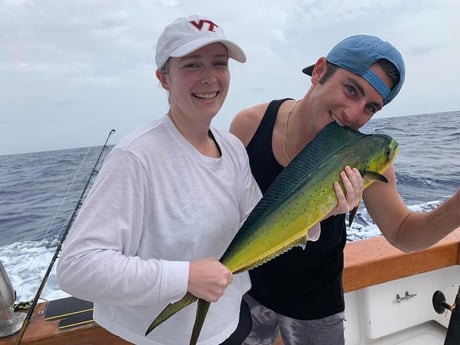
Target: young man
{"x":300,"y":293}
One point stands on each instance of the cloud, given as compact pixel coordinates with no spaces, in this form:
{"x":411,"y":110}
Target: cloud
{"x":80,"y":67}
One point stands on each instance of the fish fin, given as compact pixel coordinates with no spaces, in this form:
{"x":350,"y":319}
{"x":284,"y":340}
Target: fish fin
{"x":373,"y":175}
{"x":170,"y":310}
{"x":368,"y":175}
{"x":303,"y":242}
{"x":201,"y":311}
{"x":352,"y":215}
{"x":300,"y":242}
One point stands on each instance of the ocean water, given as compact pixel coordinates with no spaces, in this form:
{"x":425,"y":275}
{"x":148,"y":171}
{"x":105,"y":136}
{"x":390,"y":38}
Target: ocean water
{"x":39,"y":192}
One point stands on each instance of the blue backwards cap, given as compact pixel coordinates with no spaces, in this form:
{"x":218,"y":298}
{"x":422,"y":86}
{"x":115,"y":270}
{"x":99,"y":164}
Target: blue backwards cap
{"x":358,"y":53}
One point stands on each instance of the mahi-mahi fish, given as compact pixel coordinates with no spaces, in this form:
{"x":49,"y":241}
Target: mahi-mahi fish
{"x":300,"y":197}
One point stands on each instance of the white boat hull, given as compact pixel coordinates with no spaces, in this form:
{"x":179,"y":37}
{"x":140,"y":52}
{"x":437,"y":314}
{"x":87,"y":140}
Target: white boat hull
{"x":400,"y":312}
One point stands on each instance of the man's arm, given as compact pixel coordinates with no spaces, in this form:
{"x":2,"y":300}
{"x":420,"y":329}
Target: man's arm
{"x":403,"y":228}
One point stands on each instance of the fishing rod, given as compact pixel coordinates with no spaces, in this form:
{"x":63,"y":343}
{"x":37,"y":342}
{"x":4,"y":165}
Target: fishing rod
{"x":59,"y":245}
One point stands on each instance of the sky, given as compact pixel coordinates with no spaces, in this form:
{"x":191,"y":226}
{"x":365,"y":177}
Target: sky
{"x":72,"y":70}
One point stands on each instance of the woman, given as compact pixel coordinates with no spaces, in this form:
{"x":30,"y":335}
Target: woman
{"x":166,"y":204}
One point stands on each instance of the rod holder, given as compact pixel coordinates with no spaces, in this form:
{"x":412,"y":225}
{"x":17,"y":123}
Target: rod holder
{"x":439,"y":302}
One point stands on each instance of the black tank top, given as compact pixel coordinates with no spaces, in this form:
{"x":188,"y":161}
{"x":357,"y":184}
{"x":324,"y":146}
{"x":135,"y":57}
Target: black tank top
{"x":305,"y":283}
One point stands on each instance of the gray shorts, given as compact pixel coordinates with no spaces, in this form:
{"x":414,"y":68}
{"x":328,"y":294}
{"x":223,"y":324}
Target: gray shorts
{"x":268,"y":325}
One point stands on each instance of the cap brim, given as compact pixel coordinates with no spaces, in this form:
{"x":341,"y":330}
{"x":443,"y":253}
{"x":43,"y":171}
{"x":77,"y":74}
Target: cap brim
{"x":234,"y":51}
{"x":308,"y":70}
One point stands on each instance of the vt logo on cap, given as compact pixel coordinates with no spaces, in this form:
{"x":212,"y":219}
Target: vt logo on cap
{"x":211,"y":25}
{"x":188,"y":34}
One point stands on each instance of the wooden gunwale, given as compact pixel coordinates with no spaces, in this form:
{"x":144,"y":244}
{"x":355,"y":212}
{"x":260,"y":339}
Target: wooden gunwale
{"x":373,"y":261}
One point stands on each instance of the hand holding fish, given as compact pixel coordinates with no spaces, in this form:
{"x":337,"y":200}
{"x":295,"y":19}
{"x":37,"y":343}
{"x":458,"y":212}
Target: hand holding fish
{"x":349,"y":199}
{"x":208,"y":279}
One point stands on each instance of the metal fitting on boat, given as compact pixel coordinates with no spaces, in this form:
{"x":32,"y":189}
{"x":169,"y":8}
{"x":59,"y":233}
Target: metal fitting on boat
{"x":10,"y":322}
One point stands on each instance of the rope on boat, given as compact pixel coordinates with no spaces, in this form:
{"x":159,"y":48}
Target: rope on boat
{"x":59,"y":246}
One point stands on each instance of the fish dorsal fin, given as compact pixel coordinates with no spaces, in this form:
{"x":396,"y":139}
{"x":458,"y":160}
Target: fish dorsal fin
{"x":327,"y":142}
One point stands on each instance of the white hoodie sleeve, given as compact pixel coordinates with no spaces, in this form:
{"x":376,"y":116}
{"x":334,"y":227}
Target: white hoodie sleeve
{"x":99,"y":261}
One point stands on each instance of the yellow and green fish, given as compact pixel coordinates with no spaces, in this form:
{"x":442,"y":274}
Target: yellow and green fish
{"x":300,"y":196}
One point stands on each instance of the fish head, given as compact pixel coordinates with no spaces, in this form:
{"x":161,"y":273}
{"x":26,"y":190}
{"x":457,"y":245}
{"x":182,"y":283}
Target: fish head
{"x":378,"y":153}
{"x":389,"y":149}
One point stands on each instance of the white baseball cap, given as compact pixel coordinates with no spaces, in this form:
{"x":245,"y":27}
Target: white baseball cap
{"x":187,"y":34}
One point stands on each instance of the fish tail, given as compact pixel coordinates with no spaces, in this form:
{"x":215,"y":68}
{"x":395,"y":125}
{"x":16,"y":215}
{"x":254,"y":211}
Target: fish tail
{"x":170,"y":310}
{"x":201,"y":311}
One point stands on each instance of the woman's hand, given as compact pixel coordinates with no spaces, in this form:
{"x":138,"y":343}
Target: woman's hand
{"x":208,"y":279}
